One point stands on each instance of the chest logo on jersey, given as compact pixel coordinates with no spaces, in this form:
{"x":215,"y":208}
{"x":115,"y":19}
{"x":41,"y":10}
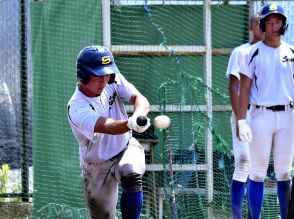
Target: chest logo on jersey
{"x":92,"y":107}
{"x":112,"y":99}
{"x":286,"y":59}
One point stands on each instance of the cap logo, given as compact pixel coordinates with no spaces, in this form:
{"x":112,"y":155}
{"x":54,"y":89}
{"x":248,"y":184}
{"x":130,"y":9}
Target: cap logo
{"x":273,"y":7}
{"x":105,"y":60}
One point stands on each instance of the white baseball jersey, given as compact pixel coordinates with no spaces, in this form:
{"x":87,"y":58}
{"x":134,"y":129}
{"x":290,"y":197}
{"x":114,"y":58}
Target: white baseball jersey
{"x":83,"y":112}
{"x":236,"y":60}
{"x":271,"y":70}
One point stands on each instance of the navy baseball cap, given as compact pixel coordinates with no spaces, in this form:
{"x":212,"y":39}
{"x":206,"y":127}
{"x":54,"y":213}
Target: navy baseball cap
{"x":271,"y":8}
{"x":97,"y":61}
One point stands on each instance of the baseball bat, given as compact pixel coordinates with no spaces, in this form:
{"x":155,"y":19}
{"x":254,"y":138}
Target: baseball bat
{"x":174,"y":211}
{"x":141,"y":120}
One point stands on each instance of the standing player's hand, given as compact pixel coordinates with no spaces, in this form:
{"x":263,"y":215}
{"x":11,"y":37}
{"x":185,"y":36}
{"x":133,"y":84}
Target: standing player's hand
{"x":244,"y":131}
{"x":132,"y":124}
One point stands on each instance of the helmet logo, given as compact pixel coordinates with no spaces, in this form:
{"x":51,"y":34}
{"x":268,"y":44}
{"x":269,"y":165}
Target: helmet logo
{"x":105,"y":60}
{"x":273,"y":7}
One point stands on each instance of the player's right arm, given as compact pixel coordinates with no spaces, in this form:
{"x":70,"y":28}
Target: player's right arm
{"x":234,"y":77}
{"x":233,"y":92}
{"x":110,"y":126}
{"x":87,"y":121}
{"x":246,"y":72}
{"x":243,"y":127}
{"x":245,"y":84}
{"x":234,"y":96}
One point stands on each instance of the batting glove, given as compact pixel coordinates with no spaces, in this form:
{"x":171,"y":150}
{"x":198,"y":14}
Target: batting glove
{"x":132,"y":124}
{"x":244,"y":131}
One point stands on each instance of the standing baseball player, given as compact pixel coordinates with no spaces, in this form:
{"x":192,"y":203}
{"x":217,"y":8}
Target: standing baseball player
{"x":267,"y":84}
{"x":241,"y":149}
{"x":108,"y":153}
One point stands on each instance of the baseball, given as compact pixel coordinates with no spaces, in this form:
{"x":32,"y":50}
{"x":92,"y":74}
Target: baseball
{"x":162,"y":122}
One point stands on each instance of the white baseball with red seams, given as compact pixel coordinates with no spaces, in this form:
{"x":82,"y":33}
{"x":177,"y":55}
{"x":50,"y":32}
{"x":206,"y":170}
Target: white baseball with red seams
{"x":161,"y":122}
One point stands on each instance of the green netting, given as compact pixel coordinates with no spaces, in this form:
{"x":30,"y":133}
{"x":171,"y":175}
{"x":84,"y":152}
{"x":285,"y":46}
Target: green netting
{"x":174,"y":83}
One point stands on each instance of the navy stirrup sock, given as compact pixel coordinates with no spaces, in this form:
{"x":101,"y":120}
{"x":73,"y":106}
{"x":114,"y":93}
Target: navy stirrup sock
{"x":237,"y":193}
{"x":248,"y":210}
{"x":283,"y":190}
{"x":131,"y":205}
{"x":255,"y":197}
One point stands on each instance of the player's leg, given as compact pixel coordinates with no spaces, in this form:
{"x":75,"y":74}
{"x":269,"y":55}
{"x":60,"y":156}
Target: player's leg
{"x":131,"y":169}
{"x":101,"y":190}
{"x":283,"y":150}
{"x":131,"y":200}
{"x":290,"y":213}
{"x":262,"y":126}
{"x":241,"y":155}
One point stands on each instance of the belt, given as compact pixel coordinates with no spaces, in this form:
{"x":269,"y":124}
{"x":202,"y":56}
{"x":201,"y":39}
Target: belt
{"x":276,"y":107}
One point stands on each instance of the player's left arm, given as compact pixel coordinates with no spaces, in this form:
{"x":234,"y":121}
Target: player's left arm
{"x":140,"y":103}
{"x":130,"y":93}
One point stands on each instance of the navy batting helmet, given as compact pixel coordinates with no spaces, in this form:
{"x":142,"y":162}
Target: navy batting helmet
{"x":272,"y":8}
{"x":96,"y":61}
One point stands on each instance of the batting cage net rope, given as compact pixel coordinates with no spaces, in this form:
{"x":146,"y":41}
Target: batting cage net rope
{"x":175,"y":52}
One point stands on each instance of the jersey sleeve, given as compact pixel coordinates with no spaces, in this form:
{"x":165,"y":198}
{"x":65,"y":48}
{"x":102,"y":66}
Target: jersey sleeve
{"x":83,"y":118}
{"x":234,"y":64}
{"x":124,"y":88}
{"x":247,"y":63}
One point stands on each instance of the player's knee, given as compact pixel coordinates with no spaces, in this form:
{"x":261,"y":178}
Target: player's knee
{"x":242,"y":163}
{"x":98,"y":210}
{"x":132,"y":182}
{"x":129,"y":168}
{"x":257,"y":177}
{"x":283,"y":175}
{"x":241,"y":172}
